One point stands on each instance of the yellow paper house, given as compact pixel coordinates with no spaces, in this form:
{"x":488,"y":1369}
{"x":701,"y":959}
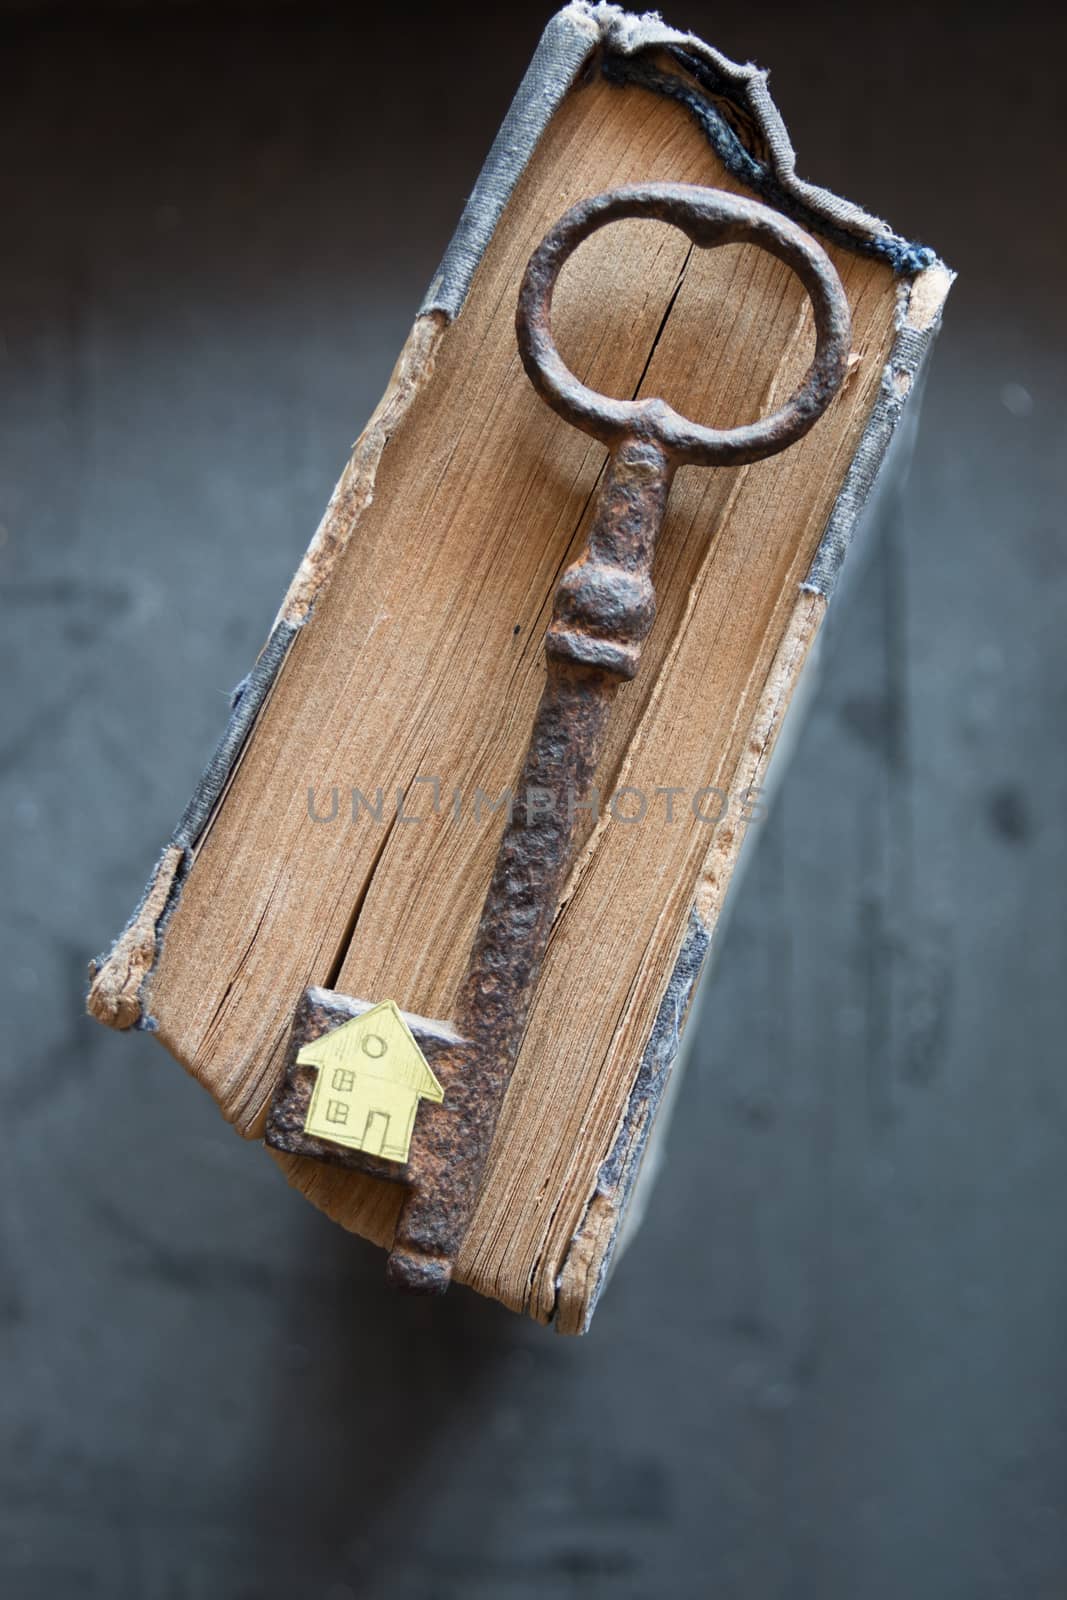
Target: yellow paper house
{"x":371,"y":1076}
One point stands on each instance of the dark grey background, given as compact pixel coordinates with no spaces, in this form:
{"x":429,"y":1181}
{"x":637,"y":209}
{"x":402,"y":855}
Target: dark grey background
{"x":833,"y":1366}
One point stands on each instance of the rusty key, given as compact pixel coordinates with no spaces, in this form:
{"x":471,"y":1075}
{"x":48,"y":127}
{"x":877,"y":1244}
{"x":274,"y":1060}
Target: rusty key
{"x":390,"y":1093}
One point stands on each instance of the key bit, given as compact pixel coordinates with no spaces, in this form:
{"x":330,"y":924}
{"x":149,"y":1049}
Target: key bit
{"x":341,"y":1051}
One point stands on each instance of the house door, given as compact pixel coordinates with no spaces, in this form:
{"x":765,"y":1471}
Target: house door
{"x":375,"y":1131}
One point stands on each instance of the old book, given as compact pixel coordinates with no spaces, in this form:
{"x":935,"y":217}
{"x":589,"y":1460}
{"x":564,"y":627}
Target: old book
{"x":345,"y":830}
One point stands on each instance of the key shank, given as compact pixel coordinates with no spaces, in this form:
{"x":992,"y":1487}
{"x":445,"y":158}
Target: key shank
{"x":604,"y":607}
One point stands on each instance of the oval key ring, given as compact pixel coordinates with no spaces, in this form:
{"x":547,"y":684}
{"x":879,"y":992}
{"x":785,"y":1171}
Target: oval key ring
{"x":709,"y":217}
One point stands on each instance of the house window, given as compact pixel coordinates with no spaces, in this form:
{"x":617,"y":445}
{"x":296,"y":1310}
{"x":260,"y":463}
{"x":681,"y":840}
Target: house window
{"x":336,"y":1111}
{"x":345,"y":1081}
